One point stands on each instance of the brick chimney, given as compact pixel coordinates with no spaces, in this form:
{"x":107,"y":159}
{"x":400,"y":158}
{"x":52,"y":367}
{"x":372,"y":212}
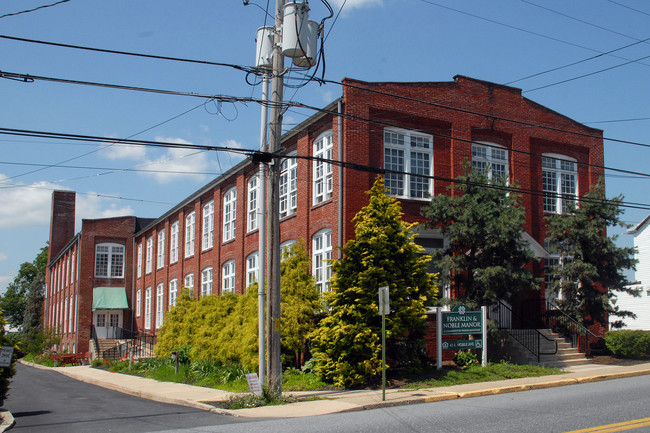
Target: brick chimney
{"x":61,"y":221}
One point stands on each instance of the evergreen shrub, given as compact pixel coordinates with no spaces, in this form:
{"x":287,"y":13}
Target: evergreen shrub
{"x":633,"y":344}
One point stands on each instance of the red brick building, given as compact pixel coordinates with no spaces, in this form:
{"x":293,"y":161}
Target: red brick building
{"x":209,"y":241}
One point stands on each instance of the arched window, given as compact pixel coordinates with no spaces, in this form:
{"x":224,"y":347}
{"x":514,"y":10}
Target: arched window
{"x":322,"y":256}
{"x":491,"y":160}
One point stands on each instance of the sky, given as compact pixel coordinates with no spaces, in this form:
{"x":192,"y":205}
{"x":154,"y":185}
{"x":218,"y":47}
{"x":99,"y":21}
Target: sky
{"x":586,"y":59}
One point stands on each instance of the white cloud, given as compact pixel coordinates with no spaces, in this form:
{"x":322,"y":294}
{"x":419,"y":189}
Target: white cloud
{"x":30,"y":206}
{"x":328,"y":96}
{"x":3,"y":256}
{"x":124,"y":151}
{"x":356,"y":4}
{"x":25,"y":205}
{"x":182,"y":162}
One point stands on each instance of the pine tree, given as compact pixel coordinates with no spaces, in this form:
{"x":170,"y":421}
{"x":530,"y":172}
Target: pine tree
{"x":347,"y":344}
{"x":590,"y":273}
{"x":487,"y":258}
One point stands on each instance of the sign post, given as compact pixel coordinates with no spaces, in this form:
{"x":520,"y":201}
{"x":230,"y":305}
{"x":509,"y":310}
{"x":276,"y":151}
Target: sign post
{"x":6,"y":356}
{"x":384,"y":309}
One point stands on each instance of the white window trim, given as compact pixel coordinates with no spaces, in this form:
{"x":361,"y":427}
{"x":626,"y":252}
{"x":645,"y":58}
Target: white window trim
{"x":284,"y":248}
{"x":114,"y":252}
{"x":160,"y":304}
{"x":188,"y":281}
{"x":558,"y":198}
{"x":208,"y":226}
{"x":288,"y":186}
{"x":173,"y":242}
{"x":321,"y":256}
{"x":491,"y":159}
{"x":138,"y":303}
{"x":406,"y":171}
{"x":228,"y":277}
{"x":149,"y":256}
{"x":206,"y":281}
{"x":230,"y":214}
{"x":147,"y":309}
{"x":253,"y":201}
{"x":323,"y":174}
{"x":252,"y":268}
{"x":160,"y":262}
{"x":190,"y":227}
{"x":173,"y":292}
{"x":139,"y":259}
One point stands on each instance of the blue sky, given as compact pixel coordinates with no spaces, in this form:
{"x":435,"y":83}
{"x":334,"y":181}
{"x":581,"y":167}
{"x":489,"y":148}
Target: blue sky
{"x":375,"y":40}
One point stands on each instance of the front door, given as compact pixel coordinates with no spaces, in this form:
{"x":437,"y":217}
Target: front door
{"x":108,"y":323}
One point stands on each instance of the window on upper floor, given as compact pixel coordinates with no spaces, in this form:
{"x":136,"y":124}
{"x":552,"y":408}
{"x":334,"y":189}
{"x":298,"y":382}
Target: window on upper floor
{"x":323,"y":177}
{"x":229,"y":214}
{"x":173,"y":242}
{"x":189,"y":282}
{"x":208,"y":225}
{"x":322,"y":256}
{"x":491,"y":160}
{"x":161,"y":249}
{"x":228,"y":277}
{"x":286,"y":248}
{"x":288,"y":186}
{"x":109,"y":260}
{"x":559,"y":183}
{"x":138,"y":303}
{"x":408,"y":157}
{"x":252,"y":269}
{"x":139,"y":259}
{"x":206,"y":282}
{"x":189,"y":234}
{"x":149,"y":258}
{"x":254,"y":201}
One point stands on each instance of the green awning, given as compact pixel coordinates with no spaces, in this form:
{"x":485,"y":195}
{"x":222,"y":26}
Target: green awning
{"x":110,"y":298}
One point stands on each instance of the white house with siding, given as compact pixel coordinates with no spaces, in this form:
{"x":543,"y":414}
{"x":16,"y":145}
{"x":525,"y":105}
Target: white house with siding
{"x":640,"y":306}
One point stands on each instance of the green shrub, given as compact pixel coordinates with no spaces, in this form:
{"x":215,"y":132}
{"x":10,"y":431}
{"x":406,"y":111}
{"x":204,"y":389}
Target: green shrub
{"x":631,"y":344}
{"x":463,"y":359}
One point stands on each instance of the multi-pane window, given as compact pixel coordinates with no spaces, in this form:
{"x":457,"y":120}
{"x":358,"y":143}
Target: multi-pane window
{"x":323,"y":181}
{"x":254,"y":201}
{"x":490,"y":160}
{"x":549,"y":276}
{"x":189,"y":282}
{"x":208,"y":225}
{"x":160,"y":290}
{"x":101,"y":320}
{"x":229,"y":214}
{"x":173,"y":292}
{"x":138,"y":303}
{"x":149,"y":258}
{"x":252,"y":268}
{"x":113,"y":320}
{"x":322,"y":256}
{"x":139,"y":259}
{"x":559,"y":183}
{"x":286,"y":248}
{"x":147,"y":308}
{"x":206,"y":282}
{"x":408,"y":157}
{"x":161,"y":250}
{"x":173,"y":243}
{"x":109,"y":260}
{"x":288,"y":187}
{"x":228,"y":277}
{"x":189,"y":234}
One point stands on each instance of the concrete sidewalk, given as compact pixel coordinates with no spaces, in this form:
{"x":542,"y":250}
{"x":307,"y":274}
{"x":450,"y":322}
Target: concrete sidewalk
{"x":338,"y":401}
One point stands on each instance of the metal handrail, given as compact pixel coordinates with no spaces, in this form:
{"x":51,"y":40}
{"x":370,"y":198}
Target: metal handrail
{"x":529,"y":338}
{"x":575,"y":328}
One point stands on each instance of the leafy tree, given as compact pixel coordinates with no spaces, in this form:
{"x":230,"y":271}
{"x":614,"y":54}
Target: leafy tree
{"x":6,"y":373}
{"x":347,"y":344}
{"x":25,"y":293}
{"x":590,"y":273}
{"x":487,"y":257}
{"x":300,"y":301}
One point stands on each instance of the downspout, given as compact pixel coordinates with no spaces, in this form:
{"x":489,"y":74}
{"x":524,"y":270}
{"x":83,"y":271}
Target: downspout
{"x":340,"y":144}
{"x":133,"y":257}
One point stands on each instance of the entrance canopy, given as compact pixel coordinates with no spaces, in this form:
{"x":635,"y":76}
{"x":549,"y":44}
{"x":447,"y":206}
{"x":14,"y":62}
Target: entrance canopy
{"x":110,"y":298}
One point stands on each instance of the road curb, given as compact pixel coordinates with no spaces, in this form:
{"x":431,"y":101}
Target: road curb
{"x":8,"y":420}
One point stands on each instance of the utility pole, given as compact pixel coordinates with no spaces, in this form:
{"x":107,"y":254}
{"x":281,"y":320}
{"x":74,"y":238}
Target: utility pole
{"x":273,"y":207}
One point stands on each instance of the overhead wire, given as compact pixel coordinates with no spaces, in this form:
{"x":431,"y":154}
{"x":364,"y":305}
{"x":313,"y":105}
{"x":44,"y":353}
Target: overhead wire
{"x":34,"y":9}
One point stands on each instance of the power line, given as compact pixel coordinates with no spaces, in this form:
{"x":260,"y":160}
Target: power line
{"x":33,"y":9}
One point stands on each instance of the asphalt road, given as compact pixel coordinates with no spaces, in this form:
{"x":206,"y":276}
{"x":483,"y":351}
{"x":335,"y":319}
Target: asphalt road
{"x":46,"y":401}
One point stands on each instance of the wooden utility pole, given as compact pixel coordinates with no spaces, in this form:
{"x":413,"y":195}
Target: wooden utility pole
{"x":274,"y":360}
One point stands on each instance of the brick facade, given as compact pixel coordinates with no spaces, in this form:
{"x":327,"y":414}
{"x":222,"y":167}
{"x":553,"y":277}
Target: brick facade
{"x":454,"y":114}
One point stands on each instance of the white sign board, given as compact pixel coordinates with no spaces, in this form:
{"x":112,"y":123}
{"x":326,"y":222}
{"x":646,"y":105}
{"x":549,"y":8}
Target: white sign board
{"x":254,"y":383}
{"x":384,"y":301}
{"x":6,"y":353}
